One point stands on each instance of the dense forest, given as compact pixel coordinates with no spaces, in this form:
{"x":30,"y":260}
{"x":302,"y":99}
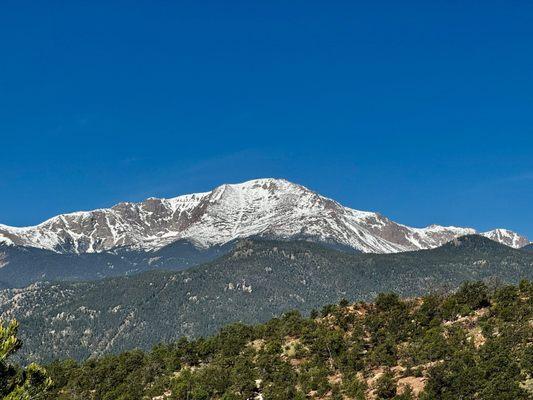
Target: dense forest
{"x":476,"y":343}
{"x":255,"y":282}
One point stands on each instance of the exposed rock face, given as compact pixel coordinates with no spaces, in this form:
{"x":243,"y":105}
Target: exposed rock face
{"x":264,"y":207}
{"x":507,"y":237}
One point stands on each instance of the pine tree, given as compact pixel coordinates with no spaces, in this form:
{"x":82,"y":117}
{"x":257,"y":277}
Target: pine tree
{"x":17,"y":383}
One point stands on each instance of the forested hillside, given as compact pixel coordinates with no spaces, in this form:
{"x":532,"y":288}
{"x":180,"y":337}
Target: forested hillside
{"x":474,"y":344}
{"x":21,"y":266}
{"x":256,"y":281}
{"x":528,"y":248}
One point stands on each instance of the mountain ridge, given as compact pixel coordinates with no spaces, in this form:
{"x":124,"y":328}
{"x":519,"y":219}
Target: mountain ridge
{"x":266,"y":207}
{"x":21,"y":266}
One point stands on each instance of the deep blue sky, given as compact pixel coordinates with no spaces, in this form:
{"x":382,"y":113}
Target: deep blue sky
{"x":422,"y":111}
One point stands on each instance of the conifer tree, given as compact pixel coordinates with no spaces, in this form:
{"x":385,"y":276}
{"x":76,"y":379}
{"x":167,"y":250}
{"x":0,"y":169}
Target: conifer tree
{"x":17,"y":383}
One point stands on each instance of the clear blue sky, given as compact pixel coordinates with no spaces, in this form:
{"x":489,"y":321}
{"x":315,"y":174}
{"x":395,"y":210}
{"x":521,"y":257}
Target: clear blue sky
{"x":422,"y":111}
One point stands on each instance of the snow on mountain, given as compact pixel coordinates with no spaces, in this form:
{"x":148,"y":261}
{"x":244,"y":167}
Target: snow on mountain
{"x":263,"y":207}
{"x":507,"y":237}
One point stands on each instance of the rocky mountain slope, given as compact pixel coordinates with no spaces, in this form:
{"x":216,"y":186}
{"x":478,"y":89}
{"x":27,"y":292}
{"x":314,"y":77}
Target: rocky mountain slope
{"x":252,"y":283}
{"x":273,"y":208}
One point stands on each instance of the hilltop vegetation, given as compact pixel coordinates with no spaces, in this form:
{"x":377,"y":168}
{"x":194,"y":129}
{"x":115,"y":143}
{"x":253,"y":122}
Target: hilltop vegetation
{"x":17,"y":383}
{"x":256,"y":281}
{"x":474,"y":344}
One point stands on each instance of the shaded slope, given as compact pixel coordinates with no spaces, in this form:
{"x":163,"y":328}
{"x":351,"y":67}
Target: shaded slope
{"x":21,"y":266}
{"x":528,"y":248}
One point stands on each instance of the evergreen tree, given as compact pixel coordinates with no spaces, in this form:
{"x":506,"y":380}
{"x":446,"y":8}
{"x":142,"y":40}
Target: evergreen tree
{"x":17,"y":383}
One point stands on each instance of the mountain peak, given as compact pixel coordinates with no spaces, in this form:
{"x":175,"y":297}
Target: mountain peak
{"x":268,"y":207}
{"x":506,"y":237}
{"x":268,"y":184}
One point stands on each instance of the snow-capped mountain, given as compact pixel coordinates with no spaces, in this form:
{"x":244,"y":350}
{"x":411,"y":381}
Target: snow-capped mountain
{"x":264,"y":207}
{"x":507,"y":237}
